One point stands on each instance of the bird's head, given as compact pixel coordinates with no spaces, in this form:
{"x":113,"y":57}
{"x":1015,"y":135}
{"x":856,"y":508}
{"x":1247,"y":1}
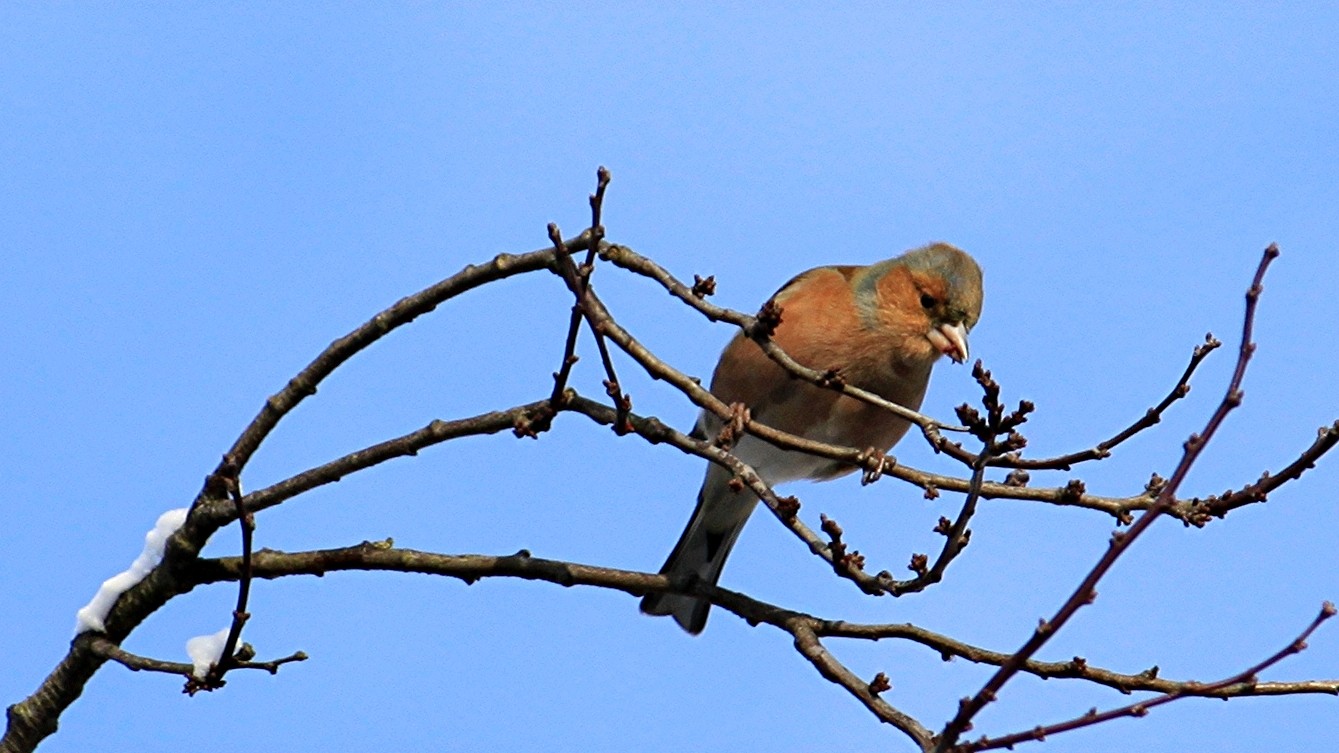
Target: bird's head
{"x":931,"y":295}
{"x":949,"y":282}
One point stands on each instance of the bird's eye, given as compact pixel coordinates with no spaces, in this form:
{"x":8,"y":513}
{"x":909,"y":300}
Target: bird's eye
{"x":928,"y":301}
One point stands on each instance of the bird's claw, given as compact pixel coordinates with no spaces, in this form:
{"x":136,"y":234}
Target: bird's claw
{"x":872,"y":462}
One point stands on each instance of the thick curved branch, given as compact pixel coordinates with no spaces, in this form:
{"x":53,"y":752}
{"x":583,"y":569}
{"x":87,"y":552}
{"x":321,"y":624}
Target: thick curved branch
{"x":806,"y":630}
{"x":402,"y":312}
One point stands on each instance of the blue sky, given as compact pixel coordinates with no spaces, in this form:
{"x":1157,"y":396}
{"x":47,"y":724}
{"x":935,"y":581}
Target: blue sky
{"x":198,"y":200}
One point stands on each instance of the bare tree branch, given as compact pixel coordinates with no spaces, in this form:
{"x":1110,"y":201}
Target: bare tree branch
{"x":401,"y":313}
{"x":221,"y":502}
{"x":1150,"y":419}
{"x":1086,"y":593}
{"x":1246,"y":677}
{"x":807,"y":630}
{"x":1076,"y":668}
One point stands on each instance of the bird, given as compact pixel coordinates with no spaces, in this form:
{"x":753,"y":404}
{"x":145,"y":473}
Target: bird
{"x":882,"y":327}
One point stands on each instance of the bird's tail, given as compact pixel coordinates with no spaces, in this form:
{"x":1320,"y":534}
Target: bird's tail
{"x":711,"y":533}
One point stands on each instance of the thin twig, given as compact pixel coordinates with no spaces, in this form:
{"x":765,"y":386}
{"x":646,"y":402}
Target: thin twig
{"x":1076,"y":668}
{"x":1121,"y":541}
{"x":956,"y":537}
{"x":247,"y":523}
{"x":1141,"y":708}
{"x":1103,"y":449}
{"x":612,"y":386}
{"x":1200,"y":511}
{"x":104,"y":646}
{"x":565,"y":268}
{"x":578,"y":282}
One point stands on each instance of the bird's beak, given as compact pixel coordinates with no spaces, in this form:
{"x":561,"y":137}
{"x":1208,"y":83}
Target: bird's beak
{"x":951,"y":340}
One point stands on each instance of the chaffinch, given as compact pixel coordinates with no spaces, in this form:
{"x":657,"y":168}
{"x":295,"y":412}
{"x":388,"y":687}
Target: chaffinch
{"x":883,"y":326}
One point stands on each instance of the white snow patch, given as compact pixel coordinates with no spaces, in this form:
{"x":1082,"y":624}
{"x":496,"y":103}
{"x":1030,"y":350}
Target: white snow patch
{"x":94,"y":614}
{"x":205,"y":651}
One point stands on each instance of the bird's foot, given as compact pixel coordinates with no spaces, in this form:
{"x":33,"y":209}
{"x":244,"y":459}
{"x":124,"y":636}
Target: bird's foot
{"x":873,"y":462}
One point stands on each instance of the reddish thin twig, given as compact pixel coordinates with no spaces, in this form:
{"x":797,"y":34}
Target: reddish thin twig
{"x":1120,"y":541}
{"x":1141,"y":708}
{"x":1200,"y":511}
